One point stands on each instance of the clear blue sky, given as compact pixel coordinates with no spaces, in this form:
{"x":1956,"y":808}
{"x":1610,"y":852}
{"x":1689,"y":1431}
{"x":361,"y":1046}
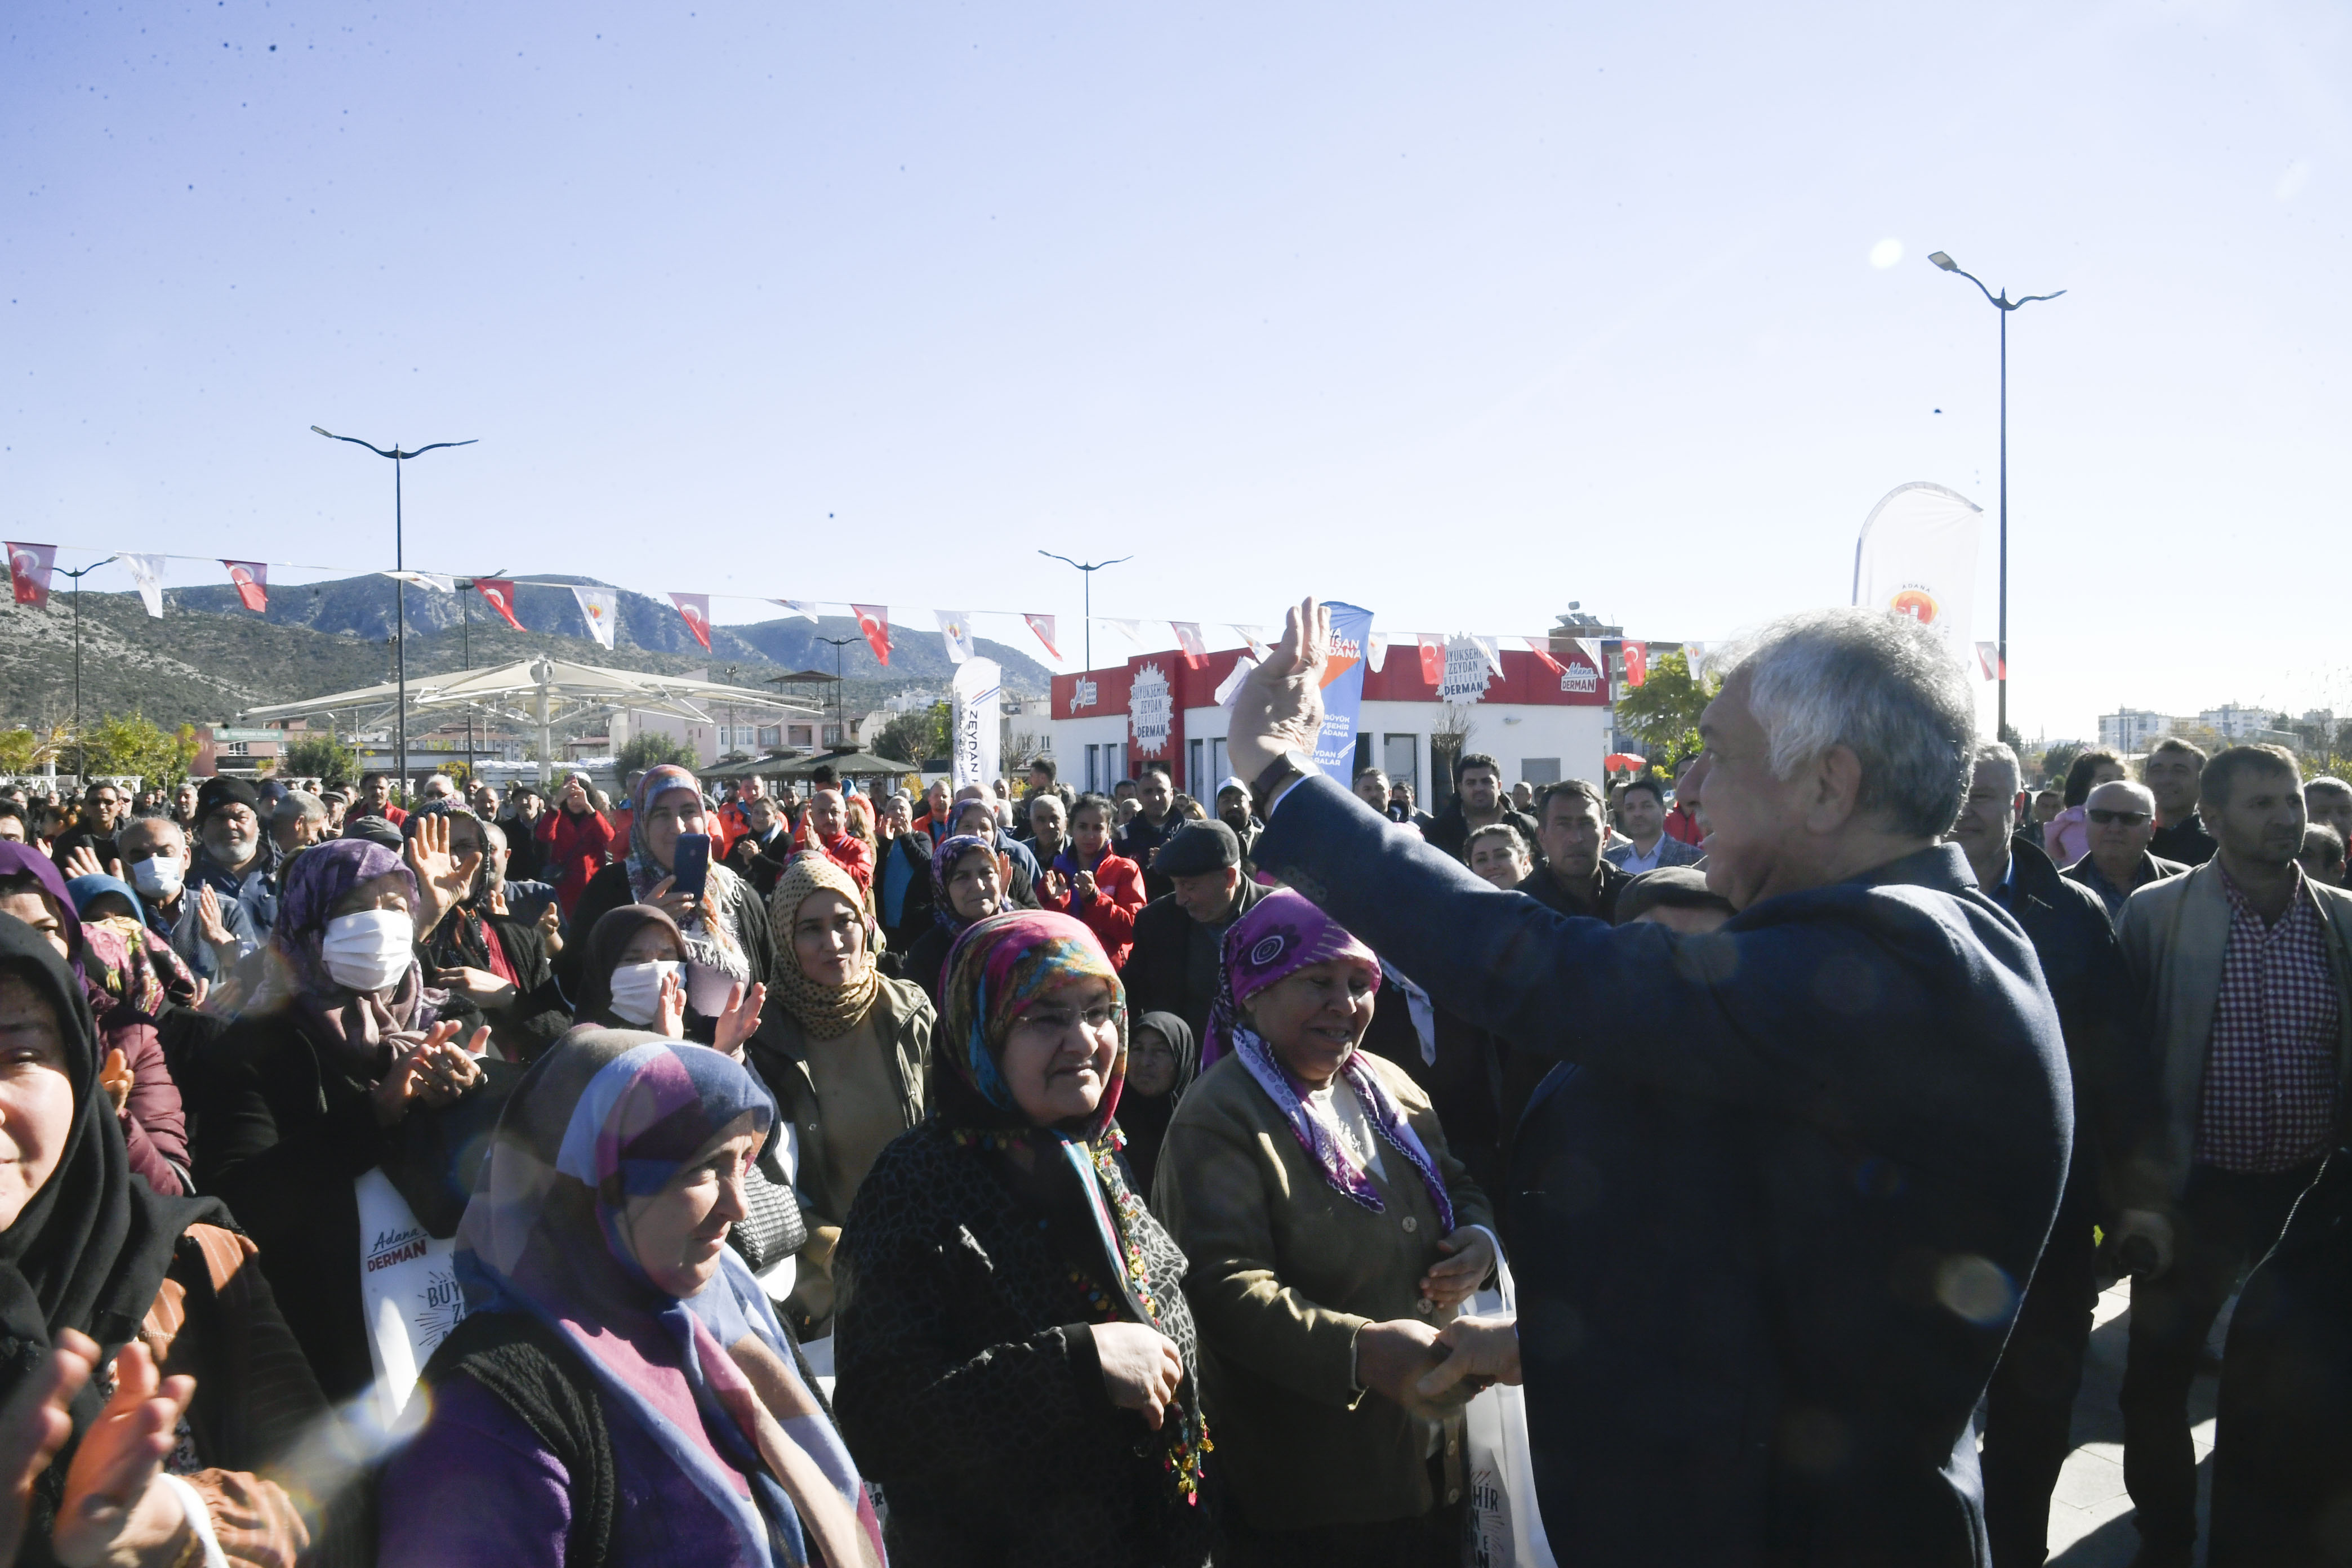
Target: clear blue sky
{"x":1457,"y":313}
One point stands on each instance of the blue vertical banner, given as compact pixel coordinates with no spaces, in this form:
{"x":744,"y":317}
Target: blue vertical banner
{"x":1343,"y":691}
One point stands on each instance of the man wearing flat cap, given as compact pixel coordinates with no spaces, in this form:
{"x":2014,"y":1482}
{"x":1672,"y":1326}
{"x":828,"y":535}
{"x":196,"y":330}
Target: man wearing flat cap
{"x":233,"y":857}
{"x":1178,"y":937}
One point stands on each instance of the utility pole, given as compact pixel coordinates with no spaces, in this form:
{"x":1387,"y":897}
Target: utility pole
{"x":81,"y":751}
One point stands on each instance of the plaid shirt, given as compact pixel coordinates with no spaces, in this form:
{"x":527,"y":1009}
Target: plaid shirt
{"x":2269,"y":1095}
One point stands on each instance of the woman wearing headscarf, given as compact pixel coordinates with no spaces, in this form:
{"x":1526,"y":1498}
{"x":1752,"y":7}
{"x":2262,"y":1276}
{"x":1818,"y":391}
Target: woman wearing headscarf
{"x":1163,"y":1061}
{"x":1085,"y":880}
{"x":127,"y":992}
{"x":968,"y":883}
{"x":619,"y":1393}
{"x":345,"y":1062}
{"x":1016,"y":1357}
{"x":1331,"y":1234}
{"x":477,"y":950}
{"x":574,"y":839}
{"x":725,"y":927}
{"x":847,"y":1051}
{"x":97,"y":1269}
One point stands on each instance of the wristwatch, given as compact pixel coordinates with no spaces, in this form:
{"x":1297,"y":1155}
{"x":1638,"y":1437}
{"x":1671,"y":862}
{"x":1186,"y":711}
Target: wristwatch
{"x":1280,"y":772}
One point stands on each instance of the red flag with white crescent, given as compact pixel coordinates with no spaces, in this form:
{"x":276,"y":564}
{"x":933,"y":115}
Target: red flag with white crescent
{"x":30,"y":567}
{"x":1543,"y":655}
{"x":252,"y":580}
{"x":1432,"y":658}
{"x":696,"y":608}
{"x":1637,"y":661}
{"x":874,"y":620}
{"x":1189,"y":638}
{"x":499,"y":592}
{"x":1043,"y":625}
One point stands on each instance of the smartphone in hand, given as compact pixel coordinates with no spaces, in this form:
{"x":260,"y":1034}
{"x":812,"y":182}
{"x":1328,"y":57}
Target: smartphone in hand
{"x":690,"y":863}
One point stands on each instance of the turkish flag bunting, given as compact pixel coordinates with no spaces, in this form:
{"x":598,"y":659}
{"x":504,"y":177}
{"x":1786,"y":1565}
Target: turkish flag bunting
{"x":499,"y":592}
{"x":1043,"y":626}
{"x":1432,"y":658}
{"x":1188,"y":637}
{"x":1637,"y":662}
{"x":30,"y":567}
{"x":1989,"y":659}
{"x":696,"y":608}
{"x":874,"y":620}
{"x":252,"y":580}
{"x":1543,"y":655}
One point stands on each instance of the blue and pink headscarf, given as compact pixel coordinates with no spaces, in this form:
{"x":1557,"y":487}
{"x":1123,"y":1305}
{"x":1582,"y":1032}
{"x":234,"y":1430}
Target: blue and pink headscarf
{"x":609,"y":1116}
{"x":1282,"y":934}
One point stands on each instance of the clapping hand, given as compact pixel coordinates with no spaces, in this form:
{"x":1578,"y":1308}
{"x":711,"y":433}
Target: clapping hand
{"x":115,"y":1508}
{"x":442,"y":879}
{"x":115,"y":1077}
{"x":82,"y":861}
{"x":1083,"y":884}
{"x":479,"y":987}
{"x":669,"y":1012}
{"x":741,"y":1019}
{"x":35,"y":1426}
{"x":550,"y":928}
{"x":208,"y":919}
{"x":435,"y":1074}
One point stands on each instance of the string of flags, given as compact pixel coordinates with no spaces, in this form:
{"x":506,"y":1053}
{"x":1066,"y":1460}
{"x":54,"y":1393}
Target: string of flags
{"x":30,"y":567}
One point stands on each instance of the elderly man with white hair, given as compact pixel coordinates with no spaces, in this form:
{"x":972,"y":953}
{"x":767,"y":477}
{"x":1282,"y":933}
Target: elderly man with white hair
{"x":1815,"y":1153}
{"x":2122,"y":816}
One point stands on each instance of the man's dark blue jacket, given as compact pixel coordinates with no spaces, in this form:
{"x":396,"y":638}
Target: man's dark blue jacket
{"x":1783,"y":1213}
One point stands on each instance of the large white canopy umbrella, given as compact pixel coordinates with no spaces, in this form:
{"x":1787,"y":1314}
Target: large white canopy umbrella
{"x":542,"y":694}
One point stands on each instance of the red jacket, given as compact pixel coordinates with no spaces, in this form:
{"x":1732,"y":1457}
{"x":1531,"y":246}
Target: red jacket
{"x":1682,"y":825}
{"x":1110,"y":913}
{"x":846,"y":850}
{"x":572,"y":850}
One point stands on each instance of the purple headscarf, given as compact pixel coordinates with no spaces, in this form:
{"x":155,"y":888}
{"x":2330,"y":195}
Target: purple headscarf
{"x":22,"y":860}
{"x":359,"y":1032}
{"x":1283,"y":934}
{"x":952,"y":848}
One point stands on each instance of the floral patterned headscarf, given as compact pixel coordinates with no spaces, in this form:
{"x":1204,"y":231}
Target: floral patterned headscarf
{"x":997,"y":968}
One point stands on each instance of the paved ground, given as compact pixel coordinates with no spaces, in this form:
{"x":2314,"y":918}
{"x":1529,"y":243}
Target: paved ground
{"x":2090,"y":1514}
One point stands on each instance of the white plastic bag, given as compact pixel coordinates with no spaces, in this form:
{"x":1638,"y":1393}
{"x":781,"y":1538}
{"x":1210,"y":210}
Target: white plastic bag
{"x":1505,"y":1528}
{"x":408,"y":1291}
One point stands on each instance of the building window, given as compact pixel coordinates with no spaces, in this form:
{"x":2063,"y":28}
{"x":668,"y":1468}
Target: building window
{"x":1401,"y":760}
{"x":771,"y":735}
{"x":803,"y":734}
{"x":833,"y":734}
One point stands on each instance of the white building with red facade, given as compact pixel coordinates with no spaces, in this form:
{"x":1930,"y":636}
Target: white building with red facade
{"x":1540,"y":722}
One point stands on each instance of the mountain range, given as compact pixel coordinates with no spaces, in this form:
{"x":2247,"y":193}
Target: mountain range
{"x":208,"y":657}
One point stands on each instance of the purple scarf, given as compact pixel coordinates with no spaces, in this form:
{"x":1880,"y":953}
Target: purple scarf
{"x":1281,"y":935}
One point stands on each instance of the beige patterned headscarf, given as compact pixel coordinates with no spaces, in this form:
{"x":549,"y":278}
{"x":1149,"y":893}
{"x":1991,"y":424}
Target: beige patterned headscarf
{"x":825,"y":1011}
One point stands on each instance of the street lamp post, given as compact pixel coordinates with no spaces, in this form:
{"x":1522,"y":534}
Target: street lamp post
{"x":1090,"y":569}
{"x":2005,"y":305}
{"x":81,"y":748}
{"x":399,"y":585}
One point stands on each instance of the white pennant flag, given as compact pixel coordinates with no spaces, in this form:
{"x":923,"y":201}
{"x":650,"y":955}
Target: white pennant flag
{"x":426,"y":580}
{"x":1252,"y":638}
{"x":955,"y":631}
{"x":804,"y":608}
{"x":1493,"y":649}
{"x":600,"y":608}
{"x":1376,"y":651}
{"x":1591,"y":648}
{"x":1694,"y":657}
{"x":1131,"y":630}
{"x":1231,"y":687}
{"x":147,"y":570}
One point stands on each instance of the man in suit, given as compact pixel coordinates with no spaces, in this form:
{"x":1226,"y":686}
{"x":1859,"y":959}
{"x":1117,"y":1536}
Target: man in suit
{"x":2123,"y":823}
{"x":2245,"y":970}
{"x":1645,"y":846}
{"x":2030,"y":1409}
{"x":1848,"y":1107}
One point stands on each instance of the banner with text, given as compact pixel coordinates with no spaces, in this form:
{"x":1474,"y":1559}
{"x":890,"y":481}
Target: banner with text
{"x":979,"y":690}
{"x":1343,"y":691}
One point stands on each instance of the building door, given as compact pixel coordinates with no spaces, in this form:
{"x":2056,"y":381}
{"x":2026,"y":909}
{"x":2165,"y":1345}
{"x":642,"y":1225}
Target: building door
{"x":1401,"y":760}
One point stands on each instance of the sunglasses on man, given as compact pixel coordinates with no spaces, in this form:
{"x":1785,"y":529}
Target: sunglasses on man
{"x":2106,"y":818}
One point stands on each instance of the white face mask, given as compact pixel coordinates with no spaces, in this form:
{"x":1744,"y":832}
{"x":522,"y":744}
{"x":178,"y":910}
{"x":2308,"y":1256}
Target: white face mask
{"x":636,"y":990}
{"x":157,"y":876}
{"x":369,"y":951}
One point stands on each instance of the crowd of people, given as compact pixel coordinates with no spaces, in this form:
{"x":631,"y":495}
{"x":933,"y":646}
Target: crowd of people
{"x":1006,"y":1174}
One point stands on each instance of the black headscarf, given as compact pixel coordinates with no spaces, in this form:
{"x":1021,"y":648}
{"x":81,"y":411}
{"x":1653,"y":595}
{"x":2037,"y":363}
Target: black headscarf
{"x":610,"y":938}
{"x":1144,"y":1118}
{"x":90,"y":1249}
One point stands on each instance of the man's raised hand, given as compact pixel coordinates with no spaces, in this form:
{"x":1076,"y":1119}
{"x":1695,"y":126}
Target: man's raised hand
{"x":1279,"y":708}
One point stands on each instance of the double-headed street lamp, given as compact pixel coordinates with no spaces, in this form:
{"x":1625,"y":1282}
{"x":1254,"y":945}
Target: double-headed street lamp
{"x":2004,"y":304}
{"x":399,"y":585}
{"x":1090,"y":569}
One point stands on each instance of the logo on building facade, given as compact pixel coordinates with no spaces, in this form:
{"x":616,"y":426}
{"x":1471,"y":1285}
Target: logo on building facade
{"x":1151,"y":711}
{"x":1082,"y":694}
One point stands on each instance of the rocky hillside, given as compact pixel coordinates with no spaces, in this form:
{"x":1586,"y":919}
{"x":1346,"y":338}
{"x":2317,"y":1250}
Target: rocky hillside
{"x":208,"y":657}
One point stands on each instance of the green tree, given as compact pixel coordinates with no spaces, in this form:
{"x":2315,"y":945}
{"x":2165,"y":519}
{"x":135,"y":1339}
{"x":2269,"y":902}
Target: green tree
{"x":321,"y":756}
{"x":916,"y":734}
{"x":650,"y":749}
{"x":2058,"y":759}
{"x":1663,"y":712}
{"x":23,"y":751}
{"x":132,"y":743}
